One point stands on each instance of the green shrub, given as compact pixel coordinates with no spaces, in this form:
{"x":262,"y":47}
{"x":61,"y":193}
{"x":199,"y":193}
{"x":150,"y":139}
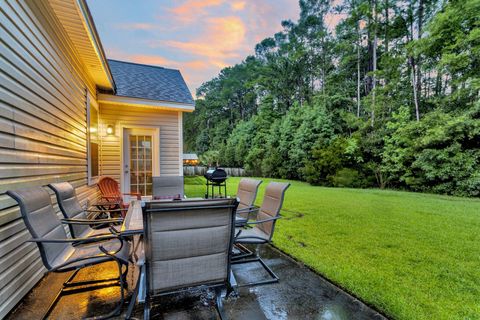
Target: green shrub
{"x":347,"y":178}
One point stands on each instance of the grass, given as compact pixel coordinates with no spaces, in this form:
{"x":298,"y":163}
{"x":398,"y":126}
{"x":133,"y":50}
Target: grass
{"x":410,"y":255}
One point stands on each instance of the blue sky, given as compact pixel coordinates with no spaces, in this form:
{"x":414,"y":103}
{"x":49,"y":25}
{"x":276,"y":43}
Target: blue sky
{"x":198,"y":37}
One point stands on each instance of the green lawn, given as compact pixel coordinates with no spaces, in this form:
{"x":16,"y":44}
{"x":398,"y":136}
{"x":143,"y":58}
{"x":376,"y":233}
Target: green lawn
{"x":411,"y":255}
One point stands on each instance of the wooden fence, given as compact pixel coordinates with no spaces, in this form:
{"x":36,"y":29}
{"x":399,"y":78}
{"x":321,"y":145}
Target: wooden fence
{"x":200,"y":171}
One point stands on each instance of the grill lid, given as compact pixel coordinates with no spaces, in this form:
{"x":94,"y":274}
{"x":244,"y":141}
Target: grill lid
{"x":216,"y":175}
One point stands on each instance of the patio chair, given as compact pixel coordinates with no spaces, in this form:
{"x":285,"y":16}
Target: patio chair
{"x":77,"y":217}
{"x":188,"y":244}
{"x":62,"y":254}
{"x":168,"y":187}
{"x":112,"y":195}
{"x":262,"y":228}
{"x":246,"y":195}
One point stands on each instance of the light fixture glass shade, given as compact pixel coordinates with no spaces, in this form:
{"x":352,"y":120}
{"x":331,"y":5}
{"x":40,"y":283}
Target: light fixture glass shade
{"x":109,"y":129}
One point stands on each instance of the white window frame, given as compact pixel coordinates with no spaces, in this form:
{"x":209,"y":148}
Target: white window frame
{"x":125,"y":129}
{"x":91,"y":102}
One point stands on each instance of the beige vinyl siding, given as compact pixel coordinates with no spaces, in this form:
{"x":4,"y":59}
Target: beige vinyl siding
{"x":42,"y":130}
{"x":130,"y":116}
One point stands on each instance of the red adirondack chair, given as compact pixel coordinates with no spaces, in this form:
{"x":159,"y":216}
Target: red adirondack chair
{"x":111,"y":193}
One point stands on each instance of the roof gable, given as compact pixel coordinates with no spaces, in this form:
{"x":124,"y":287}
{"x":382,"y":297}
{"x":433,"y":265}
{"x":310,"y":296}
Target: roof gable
{"x":149,"y":82}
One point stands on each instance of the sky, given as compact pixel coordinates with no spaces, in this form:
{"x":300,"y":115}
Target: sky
{"x":198,"y":37}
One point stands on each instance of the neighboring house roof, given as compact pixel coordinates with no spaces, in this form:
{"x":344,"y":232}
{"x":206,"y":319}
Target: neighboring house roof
{"x":149,"y":82}
{"x":190,"y":156}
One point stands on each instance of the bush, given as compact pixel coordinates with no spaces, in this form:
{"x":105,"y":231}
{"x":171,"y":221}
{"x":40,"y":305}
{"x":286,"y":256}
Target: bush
{"x":440,"y":153}
{"x":348,"y":178}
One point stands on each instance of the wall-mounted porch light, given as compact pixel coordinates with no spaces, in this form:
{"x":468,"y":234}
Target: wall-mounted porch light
{"x":110,"y":130}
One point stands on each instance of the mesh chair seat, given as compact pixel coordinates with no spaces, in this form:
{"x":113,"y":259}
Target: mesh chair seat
{"x":187,"y":244}
{"x":253,"y":235}
{"x":167,"y":187}
{"x":246,"y":194}
{"x":72,"y":209}
{"x":91,"y":254}
{"x":95,"y":232}
{"x":240,"y":221}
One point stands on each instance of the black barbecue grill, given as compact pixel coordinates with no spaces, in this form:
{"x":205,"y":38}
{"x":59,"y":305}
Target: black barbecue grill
{"x":216,"y":177}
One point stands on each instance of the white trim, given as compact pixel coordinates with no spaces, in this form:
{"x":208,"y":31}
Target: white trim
{"x":94,"y":39}
{"x":90,"y":101}
{"x":156,"y":151}
{"x":180,"y":143}
{"x":139,"y":102}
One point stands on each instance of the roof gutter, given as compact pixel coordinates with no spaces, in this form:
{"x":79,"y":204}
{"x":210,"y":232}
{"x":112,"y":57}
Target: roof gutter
{"x":95,"y":39}
{"x":145,"y":103}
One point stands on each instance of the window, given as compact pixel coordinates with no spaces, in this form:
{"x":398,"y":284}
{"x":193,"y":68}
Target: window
{"x":93,"y":139}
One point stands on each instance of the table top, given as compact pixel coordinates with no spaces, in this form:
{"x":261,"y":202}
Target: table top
{"x":133,"y":219}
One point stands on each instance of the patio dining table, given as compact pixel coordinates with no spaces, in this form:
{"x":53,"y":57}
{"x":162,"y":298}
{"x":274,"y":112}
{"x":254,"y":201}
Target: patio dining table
{"x":133,"y":223}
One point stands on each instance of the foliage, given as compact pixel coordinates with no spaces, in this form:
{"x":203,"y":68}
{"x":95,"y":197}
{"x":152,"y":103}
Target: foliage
{"x":210,"y":158}
{"x":446,"y":159}
{"x":390,"y":99}
{"x":411,"y":255}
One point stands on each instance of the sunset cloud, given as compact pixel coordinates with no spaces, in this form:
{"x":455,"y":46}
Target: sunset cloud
{"x":221,"y":40}
{"x":190,"y":10}
{"x":198,"y":37}
{"x":238,"y":5}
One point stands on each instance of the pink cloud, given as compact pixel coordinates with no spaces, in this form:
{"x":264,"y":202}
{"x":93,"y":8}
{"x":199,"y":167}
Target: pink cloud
{"x":222,"y":39}
{"x":238,"y":5}
{"x":190,"y":10}
{"x":202,"y":37}
{"x":150,"y":59}
{"x":265,"y":19}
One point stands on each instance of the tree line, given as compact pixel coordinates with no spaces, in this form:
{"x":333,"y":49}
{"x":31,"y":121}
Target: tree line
{"x":387,"y":98}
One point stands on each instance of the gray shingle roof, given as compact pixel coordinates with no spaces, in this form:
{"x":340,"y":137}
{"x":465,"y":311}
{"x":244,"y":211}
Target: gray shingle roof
{"x":149,"y":82}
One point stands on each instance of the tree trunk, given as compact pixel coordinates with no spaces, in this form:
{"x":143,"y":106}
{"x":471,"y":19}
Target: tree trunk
{"x":386,"y":26}
{"x":438,"y":83}
{"x":415,"y":92}
{"x":413,"y":71}
{"x":369,"y":68}
{"x":358,"y":67}
{"x":374,"y":83}
{"x":418,"y":61}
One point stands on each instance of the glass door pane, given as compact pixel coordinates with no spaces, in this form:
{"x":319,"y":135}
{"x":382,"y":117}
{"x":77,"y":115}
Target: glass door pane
{"x":141,"y":164}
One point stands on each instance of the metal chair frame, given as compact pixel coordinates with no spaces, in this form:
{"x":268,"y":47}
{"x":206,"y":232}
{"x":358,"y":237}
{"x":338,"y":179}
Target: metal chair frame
{"x":69,"y":286}
{"x":76,"y":221}
{"x":245,"y":255}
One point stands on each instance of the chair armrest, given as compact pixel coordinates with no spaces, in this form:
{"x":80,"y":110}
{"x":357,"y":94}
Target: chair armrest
{"x":239,"y":239}
{"x":112,"y":197}
{"x":106,"y":210}
{"x":248,"y":209}
{"x":106,"y":203}
{"x":88,"y":221}
{"x":137,"y":194}
{"x":74,"y":240}
{"x":263,"y":221}
{"x":124,"y":234}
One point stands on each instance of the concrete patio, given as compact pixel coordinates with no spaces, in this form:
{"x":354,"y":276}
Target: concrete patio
{"x":300,"y":294}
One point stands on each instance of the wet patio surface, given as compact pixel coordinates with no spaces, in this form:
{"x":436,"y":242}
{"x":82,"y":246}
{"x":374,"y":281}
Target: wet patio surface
{"x":300,"y":294}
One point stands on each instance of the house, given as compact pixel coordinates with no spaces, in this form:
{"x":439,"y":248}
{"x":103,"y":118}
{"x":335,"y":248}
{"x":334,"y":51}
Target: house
{"x":69,"y":114}
{"x":190,"y":159}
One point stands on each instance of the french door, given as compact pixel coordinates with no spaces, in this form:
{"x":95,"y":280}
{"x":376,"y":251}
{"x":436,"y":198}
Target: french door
{"x":140,"y":160}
